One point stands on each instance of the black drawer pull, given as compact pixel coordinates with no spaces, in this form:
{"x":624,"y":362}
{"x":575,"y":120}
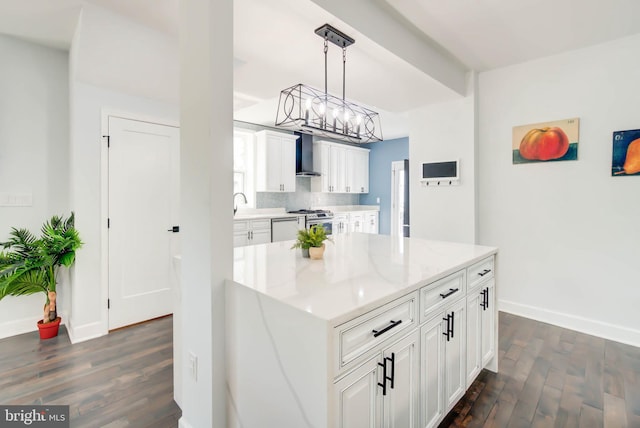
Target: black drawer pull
{"x":451,"y":291}
{"x":484,"y":272}
{"x":392,"y":324}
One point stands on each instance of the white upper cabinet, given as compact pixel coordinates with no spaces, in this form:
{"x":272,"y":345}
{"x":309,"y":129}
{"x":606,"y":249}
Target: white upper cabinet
{"x":275,"y":162}
{"x":344,"y":169}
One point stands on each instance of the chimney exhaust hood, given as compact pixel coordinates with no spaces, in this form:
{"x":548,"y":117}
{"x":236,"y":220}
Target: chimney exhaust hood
{"x":304,"y":156}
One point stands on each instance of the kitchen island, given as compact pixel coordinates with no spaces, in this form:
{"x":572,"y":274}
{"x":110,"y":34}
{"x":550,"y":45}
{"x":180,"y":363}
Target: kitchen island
{"x":382,"y":332}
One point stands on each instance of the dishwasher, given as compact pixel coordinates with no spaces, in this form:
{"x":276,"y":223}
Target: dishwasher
{"x":284,"y":229}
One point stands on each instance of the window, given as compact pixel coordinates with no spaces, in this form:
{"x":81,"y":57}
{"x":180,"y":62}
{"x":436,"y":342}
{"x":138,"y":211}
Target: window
{"x":243,"y":165}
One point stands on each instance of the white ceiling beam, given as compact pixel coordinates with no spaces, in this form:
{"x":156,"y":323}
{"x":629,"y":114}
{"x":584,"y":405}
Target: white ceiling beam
{"x":381,"y":24}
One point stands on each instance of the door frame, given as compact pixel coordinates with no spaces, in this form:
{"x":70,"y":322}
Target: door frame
{"x":395,"y":211}
{"x":106,"y":113}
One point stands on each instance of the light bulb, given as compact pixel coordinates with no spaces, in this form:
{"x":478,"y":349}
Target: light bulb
{"x":321,"y":108}
{"x":308,"y":103}
{"x":336,"y":112}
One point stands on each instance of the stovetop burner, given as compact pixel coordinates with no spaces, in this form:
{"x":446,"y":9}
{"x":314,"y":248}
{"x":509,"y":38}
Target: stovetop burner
{"x":309,"y":212}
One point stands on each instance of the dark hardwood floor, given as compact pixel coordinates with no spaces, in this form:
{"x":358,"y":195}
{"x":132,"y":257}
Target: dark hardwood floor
{"x":553,"y":377}
{"x":549,"y":377}
{"x":124,"y":379}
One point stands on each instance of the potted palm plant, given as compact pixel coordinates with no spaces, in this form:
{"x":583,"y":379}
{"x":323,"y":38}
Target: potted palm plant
{"x":30,"y":265}
{"x":312,"y":241}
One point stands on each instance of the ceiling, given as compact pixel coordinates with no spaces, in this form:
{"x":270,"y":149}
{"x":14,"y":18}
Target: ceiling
{"x":275,"y":46}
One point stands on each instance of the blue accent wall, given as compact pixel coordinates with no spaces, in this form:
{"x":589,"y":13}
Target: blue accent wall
{"x":380,"y":158}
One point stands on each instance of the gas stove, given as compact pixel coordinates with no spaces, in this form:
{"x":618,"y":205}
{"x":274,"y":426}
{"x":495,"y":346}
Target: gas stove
{"x":314,"y":214}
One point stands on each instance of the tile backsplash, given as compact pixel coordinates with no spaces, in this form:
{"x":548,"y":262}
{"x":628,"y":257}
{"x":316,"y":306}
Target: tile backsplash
{"x":303,"y":197}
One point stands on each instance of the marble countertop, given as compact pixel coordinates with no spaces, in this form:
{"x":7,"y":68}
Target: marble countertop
{"x":358,"y":273}
{"x":338,"y":209}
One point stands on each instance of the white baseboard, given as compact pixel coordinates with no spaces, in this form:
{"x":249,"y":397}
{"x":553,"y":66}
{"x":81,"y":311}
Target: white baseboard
{"x":21,"y":326}
{"x":182,"y":423}
{"x":85,"y":332}
{"x":584,"y":325}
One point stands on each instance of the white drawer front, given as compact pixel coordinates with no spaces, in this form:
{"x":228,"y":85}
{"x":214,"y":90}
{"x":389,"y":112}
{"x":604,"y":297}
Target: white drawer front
{"x":480,"y":272}
{"x":364,"y":333}
{"x":441,"y":292}
{"x":240,"y":226}
{"x":261,"y":224}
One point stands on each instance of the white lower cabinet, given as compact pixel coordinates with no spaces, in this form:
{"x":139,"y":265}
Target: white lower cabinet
{"x":251,"y":232}
{"x":384,"y":391}
{"x":340,"y":224}
{"x":356,"y":221}
{"x":442,"y":362}
{"x":480,"y":329}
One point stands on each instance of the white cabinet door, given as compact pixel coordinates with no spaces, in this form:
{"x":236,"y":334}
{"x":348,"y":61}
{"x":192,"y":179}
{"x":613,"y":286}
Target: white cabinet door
{"x":361,"y":172}
{"x":239,"y":239}
{"x":488,"y":316}
{"x":340,"y":224}
{"x":474,"y":336}
{"x":275,"y":162}
{"x":358,"y":399}
{"x":356,"y":221}
{"x":288,"y":164}
{"x":321,"y":164}
{"x":357,"y":170}
{"x":260,"y":236}
{"x":337,"y":172}
{"x":400,"y":405}
{"x":432,"y":372}
{"x":454,"y":354}
{"x":371,"y":222}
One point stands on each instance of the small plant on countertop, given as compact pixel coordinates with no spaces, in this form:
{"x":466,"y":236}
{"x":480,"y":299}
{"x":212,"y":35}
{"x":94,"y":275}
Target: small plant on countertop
{"x":314,"y":237}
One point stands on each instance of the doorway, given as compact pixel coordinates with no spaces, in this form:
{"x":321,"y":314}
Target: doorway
{"x":143,"y":226}
{"x":400,"y":198}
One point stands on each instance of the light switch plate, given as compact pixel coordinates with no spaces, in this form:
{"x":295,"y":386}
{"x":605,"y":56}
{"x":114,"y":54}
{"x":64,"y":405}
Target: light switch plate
{"x":16,"y":199}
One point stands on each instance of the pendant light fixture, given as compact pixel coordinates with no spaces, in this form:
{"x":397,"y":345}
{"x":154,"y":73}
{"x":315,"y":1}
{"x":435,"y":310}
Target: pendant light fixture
{"x":312,"y":111}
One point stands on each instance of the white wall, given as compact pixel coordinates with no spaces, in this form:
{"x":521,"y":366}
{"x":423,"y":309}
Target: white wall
{"x":568,"y":232}
{"x":34,"y":144}
{"x":442,"y":132}
{"x":88,"y":101}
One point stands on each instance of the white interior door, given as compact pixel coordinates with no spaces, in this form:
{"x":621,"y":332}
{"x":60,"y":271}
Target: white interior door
{"x":143,"y":208}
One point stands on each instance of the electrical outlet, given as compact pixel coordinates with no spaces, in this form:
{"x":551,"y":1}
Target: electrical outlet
{"x":377,"y":200}
{"x":193,"y":366}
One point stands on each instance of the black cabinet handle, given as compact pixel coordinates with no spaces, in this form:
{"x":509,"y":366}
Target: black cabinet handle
{"x":393,"y":367}
{"x":486,"y":298}
{"x":174,"y":229}
{"x":383,"y":364}
{"x":483,"y":303}
{"x":451,"y":291}
{"x":484,"y":272}
{"x":447,"y":333}
{"x":392,"y":324}
{"x":453,"y":319}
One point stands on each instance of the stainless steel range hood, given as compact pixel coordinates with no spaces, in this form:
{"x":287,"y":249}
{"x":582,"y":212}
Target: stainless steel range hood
{"x":304,"y":156}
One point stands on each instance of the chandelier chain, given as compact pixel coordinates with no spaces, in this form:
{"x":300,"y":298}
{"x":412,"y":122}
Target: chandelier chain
{"x":344,"y":71}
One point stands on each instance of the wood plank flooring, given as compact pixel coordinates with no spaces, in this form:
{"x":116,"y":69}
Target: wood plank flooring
{"x":549,"y":377}
{"x":124,"y":379}
{"x":553,"y":377}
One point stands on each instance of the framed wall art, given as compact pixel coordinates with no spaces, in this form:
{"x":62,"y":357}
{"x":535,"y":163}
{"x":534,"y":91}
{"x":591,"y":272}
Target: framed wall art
{"x":626,"y":153}
{"x":546,"y":141}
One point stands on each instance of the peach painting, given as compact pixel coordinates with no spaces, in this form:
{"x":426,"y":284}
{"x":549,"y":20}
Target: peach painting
{"x":546,"y":141}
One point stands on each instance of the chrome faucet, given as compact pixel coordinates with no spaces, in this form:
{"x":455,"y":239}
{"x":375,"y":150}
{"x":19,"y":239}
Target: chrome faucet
{"x":235,"y":207}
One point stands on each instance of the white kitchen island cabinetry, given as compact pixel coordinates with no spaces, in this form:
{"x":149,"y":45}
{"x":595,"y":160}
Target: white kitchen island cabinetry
{"x":275,"y":162}
{"x":311,"y":341}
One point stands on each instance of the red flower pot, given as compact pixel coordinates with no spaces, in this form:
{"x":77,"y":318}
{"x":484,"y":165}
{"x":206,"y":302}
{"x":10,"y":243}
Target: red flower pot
{"x":50,"y":329}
